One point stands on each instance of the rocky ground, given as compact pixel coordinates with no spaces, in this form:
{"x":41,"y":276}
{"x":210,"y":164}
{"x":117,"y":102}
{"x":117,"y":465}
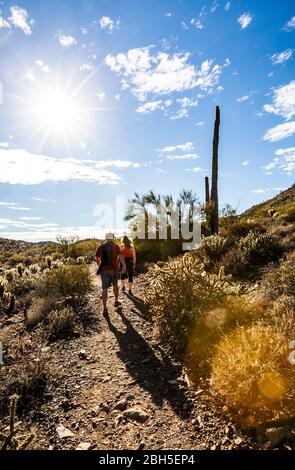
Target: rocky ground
{"x":117,"y":388}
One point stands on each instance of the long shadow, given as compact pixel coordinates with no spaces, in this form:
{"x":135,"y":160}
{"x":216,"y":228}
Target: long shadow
{"x":140,"y":307}
{"x":149,"y":372}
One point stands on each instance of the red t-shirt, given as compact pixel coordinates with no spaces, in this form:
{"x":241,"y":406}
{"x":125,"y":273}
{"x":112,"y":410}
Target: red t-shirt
{"x":108,"y":253}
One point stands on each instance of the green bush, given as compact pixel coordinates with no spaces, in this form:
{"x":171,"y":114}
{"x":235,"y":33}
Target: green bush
{"x":259,"y":249}
{"x":72,"y":282}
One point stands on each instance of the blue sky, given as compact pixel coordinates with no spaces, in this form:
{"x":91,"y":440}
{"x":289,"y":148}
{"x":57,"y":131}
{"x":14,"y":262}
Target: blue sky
{"x":103,"y":98}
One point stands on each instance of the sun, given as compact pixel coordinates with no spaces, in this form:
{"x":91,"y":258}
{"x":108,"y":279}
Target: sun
{"x":56,"y":112}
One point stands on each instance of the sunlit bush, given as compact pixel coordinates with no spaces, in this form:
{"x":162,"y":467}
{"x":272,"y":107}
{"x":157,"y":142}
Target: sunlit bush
{"x":251,"y":367}
{"x":179,"y":293}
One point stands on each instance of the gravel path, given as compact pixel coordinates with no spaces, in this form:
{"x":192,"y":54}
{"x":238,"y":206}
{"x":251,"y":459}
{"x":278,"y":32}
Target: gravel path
{"x":117,"y":388}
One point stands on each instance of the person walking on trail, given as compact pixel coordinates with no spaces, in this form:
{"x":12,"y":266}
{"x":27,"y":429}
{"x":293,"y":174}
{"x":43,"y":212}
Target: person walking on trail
{"x":129,"y":253}
{"x":108,"y":255}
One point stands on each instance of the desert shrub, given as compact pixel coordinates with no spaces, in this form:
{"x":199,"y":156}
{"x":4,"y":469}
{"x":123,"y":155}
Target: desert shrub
{"x":280,"y":281}
{"x":10,"y":437}
{"x":212,"y":248}
{"x":179,"y":292}
{"x":214,"y":323}
{"x":288,"y":212}
{"x":39,"y":309}
{"x":259,"y":249}
{"x":59,"y":324}
{"x":235,"y":263}
{"x":73,"y":282}
{"x":251,"y":369}
{"x":240,"y":228}
{"x":27,"y":378}
{"x":151,"y":251}
{"x":85,"y":249}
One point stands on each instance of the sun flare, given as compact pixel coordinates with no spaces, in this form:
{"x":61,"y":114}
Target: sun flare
{"x":56,"y":112}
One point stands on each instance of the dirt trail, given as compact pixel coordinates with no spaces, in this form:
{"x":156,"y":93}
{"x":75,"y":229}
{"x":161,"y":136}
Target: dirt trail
{"x":118,"y":364}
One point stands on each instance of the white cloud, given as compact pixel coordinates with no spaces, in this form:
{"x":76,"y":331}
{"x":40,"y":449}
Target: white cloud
{"x":284,"y":162}
{"x":244,"y":20}
{"x":197,"y":23}
{"x":13,"y":206}
{"x":19,"y":19}
{"x":149,"y":107}
{"x":168,"y":13}
{"x":100,"y":94}
{"x":281,"y":57}
{"x":108,"y":24}
{"x":290,"y":24}
{"x":47,"y":232}
{"x":66,"y":41}
{"x":185,"y":156}
{"x":115,"y":163}
{"x":180,"y":114}
{"x":197,"y":169}
{"x":243,"y":98}
{"x":280,"y":132}
{"x":227,"y":6}
{"x":4,"y":145}
{"x":86,"y":66}
{"x":187,"y":147}
{"x":283,"y":101}
{"x":84,"y":30}
{"x":185,"y":103}
{"x":44,"y":67}
{"x":4,"y":23}
{"x":21,"y":167}
{"x":184,"y":25}
{"x":258,"y":191}
{"x":31,"y":219}
{"x":145,"y":73}
{"x":246,"y":163}
{"x":200,"y":124}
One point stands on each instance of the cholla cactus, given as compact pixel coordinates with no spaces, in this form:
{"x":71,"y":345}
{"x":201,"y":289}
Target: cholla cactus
{"x":48,"y":261}
{"x":9,"y":436}
{"x":213,"y":248}
{"x":179,"y":292}
{"x":34,"y":269}
{"x":81,"y":260}
{"x":258,"y":247}
{"x":11,"y":274}
{"x":3,"y":287}
{"x":20,"y":269}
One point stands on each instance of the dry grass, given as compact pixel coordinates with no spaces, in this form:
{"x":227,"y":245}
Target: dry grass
{"x":60,"y":324}
{"x":251,"y":369}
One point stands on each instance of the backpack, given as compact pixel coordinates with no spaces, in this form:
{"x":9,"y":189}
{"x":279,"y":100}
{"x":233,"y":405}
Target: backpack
{"x":106,"y":256}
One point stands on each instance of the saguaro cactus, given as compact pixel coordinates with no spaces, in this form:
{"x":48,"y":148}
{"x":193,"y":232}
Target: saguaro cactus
{"x":214,"y":183}
{"x":207,"y":191}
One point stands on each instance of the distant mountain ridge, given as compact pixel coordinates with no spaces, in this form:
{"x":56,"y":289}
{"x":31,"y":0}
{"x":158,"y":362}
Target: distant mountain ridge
{"x":282,"y":199}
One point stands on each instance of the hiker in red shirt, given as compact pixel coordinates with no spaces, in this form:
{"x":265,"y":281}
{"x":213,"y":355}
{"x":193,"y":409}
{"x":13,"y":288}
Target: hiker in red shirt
{"x":108,"y":255}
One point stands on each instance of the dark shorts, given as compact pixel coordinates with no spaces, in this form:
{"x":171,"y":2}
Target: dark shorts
{"x":129,"y":270}
{"x":109,"y":278}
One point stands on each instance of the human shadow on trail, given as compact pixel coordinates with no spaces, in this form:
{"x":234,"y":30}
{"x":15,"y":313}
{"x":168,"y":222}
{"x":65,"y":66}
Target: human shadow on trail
{"x":139,"y":306}
{"x":149,"y":372}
